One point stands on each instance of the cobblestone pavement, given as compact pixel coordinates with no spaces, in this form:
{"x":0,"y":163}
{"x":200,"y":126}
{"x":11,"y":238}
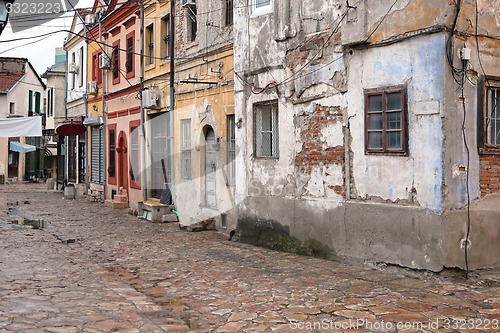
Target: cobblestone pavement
{"x":94,"y":269}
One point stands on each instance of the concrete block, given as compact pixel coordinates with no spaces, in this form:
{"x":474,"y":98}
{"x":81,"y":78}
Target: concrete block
{"x":169,"y":218}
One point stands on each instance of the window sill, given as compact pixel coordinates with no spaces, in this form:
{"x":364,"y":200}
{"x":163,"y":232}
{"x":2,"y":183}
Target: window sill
{"x":261,"y":12}
{"x":489,"y":151}
{"x":387,"y":153}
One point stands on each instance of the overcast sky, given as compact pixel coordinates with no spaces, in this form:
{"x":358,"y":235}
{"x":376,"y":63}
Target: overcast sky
{"x":41,"y":54}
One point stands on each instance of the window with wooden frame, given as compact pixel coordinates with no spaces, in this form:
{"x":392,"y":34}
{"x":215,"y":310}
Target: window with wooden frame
{"x":134,"y":155}
{"x":229,"y":12}
{"x":96,"y":70}
{"x":192,"y":23}
{"x":150,"y":46}
{"x":115,"y":58}
{"x":165,"y":35}
{"x":489,"y":114}
{"x":266,"y":130}
{"x":129,"y":64}
{"x":385,"y":121}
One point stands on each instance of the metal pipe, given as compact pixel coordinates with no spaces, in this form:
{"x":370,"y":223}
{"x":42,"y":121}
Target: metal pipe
{"x":103,"y":93}
{"x":172,"y":97}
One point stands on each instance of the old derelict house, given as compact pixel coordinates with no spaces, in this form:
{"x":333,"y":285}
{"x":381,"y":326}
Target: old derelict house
{"x":367,"y":128}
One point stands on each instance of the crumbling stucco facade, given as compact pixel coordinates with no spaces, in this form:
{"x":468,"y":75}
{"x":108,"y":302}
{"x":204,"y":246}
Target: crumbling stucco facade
{"x":323,"y":190}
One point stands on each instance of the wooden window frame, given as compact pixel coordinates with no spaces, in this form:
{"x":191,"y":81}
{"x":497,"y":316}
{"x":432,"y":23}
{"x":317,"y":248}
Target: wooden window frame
{"x":150,"y":45}
{"x":485,"y":84}
{"x":166,"y":37}
{"x":229,"y":16}
{"x":130,"y":67}
{"x":115,"y":62}
{"x":404,"y":120}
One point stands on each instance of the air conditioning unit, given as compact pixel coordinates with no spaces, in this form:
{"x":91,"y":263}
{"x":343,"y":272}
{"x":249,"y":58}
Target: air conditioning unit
{"x":149,"y":98}
{"x":90,"y":19}
{"x":92,"y":88}
{"x":186,"y":3}
{"x":104,"y":61}
{"x":73,"y":68}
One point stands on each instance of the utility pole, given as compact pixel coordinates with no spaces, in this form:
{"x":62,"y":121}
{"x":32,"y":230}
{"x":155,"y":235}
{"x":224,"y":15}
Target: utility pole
{"x":103,"y":95}
{"x":172,"y":96}
{"x":144,"y":174}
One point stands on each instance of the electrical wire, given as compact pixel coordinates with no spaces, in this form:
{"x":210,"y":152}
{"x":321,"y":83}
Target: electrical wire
{"x":466,"y":145}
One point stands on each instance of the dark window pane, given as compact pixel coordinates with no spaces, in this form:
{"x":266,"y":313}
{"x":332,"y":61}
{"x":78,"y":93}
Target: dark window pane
{"x":394,"y":141}
{"x":393,"y":120}
{"x":375,"y":121}
{"x":375,"y":140}
{"x":375,"y":103}
{"x":262,"y":3}
{"x":394,"y":101}
{"x":266,"y":119}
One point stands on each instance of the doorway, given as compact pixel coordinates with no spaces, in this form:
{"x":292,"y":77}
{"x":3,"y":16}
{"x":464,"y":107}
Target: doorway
{"x":210,"y":170}
{"x":121,"y":149}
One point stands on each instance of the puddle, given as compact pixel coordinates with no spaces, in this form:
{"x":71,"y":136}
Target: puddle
{"x":35,"y":224}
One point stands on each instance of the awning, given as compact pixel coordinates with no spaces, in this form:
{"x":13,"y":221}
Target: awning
{"x":21,"y":147}
{"x":71,"y":128}
{"x":27,"y":126}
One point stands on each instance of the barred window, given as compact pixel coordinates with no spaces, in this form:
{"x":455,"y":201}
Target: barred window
{"x":266,"y":130}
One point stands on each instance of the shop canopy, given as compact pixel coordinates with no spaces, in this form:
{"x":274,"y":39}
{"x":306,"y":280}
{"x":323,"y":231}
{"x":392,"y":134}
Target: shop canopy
{"x":21,"y":147}
{"x":24,"y":126}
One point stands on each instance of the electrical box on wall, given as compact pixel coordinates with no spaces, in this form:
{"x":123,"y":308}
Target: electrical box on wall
{"x":464,"y":53}
{"x":149,"y":98}
{"x":104,"y":61}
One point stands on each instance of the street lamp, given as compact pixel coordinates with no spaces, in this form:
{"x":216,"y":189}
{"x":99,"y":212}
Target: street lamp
{"x":4,"y":13}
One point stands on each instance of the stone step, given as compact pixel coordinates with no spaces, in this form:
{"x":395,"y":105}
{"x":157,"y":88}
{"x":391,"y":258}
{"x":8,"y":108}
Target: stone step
{"x":115,"y":204}
{"x":120,"y":198}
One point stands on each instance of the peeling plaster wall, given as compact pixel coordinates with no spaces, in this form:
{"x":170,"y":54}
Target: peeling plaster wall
{"x":420,"y":68}
{"x":324,"y":195}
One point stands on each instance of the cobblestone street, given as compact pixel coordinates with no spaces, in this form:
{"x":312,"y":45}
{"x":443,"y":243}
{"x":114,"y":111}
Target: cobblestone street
{"x":94,"y":269}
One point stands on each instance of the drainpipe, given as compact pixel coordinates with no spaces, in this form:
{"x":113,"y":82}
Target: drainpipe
{"x":144,"y":176}
{"x":172,"y":96}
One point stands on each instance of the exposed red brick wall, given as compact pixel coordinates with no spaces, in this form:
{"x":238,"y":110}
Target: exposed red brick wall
{"x":313,"y":153}
{"x":490,"y":174}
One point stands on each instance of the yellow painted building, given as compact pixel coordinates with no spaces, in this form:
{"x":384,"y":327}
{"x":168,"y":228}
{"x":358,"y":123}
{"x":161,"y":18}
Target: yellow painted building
{"x":204,"y":123}
{"x":156,"y":96}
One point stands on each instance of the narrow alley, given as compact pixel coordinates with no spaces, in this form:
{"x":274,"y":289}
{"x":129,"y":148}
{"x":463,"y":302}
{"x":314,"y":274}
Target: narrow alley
{"x":83,"y":267}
